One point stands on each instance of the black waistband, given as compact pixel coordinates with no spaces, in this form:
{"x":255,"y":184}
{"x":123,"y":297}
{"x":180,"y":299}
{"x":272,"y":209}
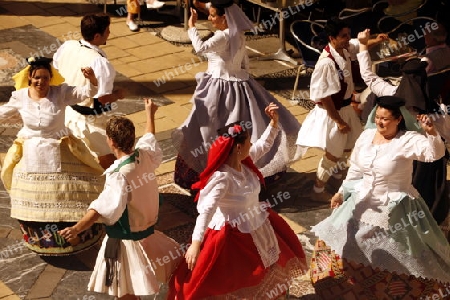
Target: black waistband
{"x":346,"y":102}
{"x":98,"y":108}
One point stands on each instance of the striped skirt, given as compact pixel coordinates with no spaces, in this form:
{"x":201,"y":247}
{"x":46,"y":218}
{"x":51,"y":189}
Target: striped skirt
{"x":41,"y":201}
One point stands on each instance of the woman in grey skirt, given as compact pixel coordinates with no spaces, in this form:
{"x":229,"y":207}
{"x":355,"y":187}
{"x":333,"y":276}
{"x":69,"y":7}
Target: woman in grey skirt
{"x":226,"y":93}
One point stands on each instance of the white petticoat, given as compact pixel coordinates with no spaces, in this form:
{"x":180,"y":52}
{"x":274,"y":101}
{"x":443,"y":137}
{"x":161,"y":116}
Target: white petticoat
{"x":141,"y":267}
{"x":90,"y":129}
{"x":318,"y":126}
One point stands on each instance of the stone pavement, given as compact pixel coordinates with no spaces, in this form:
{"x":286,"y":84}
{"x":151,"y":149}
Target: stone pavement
{"x":147,"y":66}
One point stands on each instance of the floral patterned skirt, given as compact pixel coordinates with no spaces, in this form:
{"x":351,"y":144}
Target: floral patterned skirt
{"x":43,"y":238}
{"x":336,"y":278}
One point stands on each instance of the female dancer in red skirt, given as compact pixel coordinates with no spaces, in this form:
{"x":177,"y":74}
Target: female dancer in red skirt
{"x":240,"y":247}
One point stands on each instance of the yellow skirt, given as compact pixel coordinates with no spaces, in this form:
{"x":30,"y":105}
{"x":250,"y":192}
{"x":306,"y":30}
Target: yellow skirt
{"x":59,"y":196}
{"x":46,"y":202}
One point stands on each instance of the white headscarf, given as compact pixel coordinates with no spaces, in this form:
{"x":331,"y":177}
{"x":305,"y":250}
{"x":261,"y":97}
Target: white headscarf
{"x":237,"y":23}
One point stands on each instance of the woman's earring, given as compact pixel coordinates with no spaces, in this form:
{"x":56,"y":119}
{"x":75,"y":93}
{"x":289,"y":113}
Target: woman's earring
{"x":239,"y":152}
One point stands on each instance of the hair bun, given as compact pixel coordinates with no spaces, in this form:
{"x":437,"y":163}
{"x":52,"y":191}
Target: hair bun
{"x":391,"y":101}
{"x":39,"y":60}
{"x":222,"y":3}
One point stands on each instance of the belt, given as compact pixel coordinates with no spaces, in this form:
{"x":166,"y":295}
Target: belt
{"x":98,"y":108}
{"x":345,"y":102}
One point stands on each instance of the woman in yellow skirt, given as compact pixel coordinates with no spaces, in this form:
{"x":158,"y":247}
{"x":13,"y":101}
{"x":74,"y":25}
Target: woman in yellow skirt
{"x":50,"y":176}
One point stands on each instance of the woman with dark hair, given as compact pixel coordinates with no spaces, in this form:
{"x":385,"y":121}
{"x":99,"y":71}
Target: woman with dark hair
{"x":429,"y":178}
{"x":241,"y":248}
{"x":226,"y":93}
{"x":50,"y":176}
{"x":382,"y":239}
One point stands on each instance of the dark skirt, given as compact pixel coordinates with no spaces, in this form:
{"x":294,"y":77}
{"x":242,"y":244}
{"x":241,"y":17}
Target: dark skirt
{"x":430,"y":180}
{"x":43,"y":238}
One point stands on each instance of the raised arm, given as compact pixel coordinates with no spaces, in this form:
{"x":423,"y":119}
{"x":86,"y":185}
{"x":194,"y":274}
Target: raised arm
{"x":75,"y":94}
{"x":150,"y":110}
{"x":366,"y":42}
{"x":355,"y":44}
{"x":148,"y":140}
{"x":425,"y":148}
{"x":217,"y":42}
{"x":442,"y":122}
{"x":378,"y":39}
{"x":265,"y":142}
{"x":375,"y":83}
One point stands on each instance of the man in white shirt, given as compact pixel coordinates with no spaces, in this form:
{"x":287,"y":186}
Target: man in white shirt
{"x":87,"y":119}
{"x":333,"y":124}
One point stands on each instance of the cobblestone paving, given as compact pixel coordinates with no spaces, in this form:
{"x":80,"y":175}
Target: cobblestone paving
{"x":38,"y":28}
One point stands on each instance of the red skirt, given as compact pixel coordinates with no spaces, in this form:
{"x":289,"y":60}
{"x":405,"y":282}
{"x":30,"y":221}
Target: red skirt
{"x":229,"y":266}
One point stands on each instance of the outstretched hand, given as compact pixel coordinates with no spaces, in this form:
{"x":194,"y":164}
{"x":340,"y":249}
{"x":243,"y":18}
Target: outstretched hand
{"x":380,"y":37}
{"x":193,"y":18}
{"x":272,"y":111}
{"x":366,"y":42}
{"x":89,"y":74}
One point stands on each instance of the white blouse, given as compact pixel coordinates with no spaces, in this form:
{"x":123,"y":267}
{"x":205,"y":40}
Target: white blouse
{"x":375,"y":83}
{"x":44,"y":118}
{"x":386,"y":170}
{"x":217,"y":50}
{"x":231,"y":196}
{"x":382,"y":88}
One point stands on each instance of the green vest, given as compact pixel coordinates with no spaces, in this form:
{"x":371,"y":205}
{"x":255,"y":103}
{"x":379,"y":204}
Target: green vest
{"x":121,"y":229}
